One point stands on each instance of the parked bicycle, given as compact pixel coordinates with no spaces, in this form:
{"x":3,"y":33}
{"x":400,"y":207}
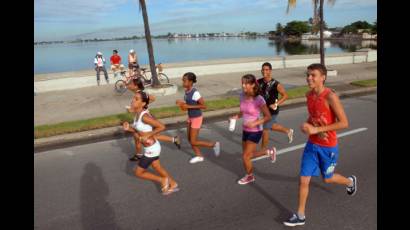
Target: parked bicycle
{"x":144,"y":73}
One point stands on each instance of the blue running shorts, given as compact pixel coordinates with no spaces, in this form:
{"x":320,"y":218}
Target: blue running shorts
{"x":319,"y":159}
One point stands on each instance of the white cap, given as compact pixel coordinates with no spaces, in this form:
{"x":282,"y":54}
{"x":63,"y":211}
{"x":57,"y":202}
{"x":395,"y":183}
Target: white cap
{"x":132,"y":51}
{"x":99,"y":53}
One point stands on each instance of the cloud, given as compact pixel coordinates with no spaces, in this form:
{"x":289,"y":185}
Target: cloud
{"x":73,"y":10}
{"x":175,"y":15}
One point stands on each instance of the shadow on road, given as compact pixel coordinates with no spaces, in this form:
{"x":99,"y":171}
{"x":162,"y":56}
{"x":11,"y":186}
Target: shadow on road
{"x":233,"y":163}
{"x":295,"y":179}
{"x":96,"y":212}
{"x":127,"y":148}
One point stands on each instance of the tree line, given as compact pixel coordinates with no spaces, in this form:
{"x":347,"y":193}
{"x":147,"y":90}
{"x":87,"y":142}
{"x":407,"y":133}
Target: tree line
{"x":297,"y":28}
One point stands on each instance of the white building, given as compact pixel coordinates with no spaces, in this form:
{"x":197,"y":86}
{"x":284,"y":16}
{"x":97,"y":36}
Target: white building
{"x":310,"y":36}
{"x":326,"y":34}
{"x":369,"y":36}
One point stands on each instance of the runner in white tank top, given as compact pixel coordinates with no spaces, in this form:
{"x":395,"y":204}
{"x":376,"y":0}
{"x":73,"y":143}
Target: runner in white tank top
{"x":144,"y":128}
{"x":137,"y":85}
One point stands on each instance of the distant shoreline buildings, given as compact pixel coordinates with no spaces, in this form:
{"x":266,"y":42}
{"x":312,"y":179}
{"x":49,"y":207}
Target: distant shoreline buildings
{"x":169,"y":36}
{"x":328,"y":35}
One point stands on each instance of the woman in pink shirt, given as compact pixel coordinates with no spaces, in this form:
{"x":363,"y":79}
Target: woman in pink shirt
{"x":251,"y":106}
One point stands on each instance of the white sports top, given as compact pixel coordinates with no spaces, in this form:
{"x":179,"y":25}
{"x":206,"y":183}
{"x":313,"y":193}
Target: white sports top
{"x":139,"y":125}
{"x":153,"y":150}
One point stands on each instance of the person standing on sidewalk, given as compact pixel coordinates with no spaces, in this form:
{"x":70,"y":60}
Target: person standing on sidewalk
{"x":136,"y":85}
{"x":132,"y":62}
{"x":326,"y":115}
{"x":270,"y":90}
{"x":251,"y":106}
{"x":115,"y":63}
{"x":194,"y":103}
{"x":146,"y":128}
{"x":99,"y":62}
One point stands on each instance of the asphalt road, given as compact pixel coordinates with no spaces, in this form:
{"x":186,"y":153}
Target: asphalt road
{"x":93,"y":186}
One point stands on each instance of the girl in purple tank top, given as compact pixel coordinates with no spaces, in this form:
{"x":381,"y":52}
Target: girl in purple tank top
{"x":251,"y":107}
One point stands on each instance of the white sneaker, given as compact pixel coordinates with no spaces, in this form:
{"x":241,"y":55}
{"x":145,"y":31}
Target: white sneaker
{"x":272,"y":154}
{"x":217,"y":148}
{"x":196,"y":159}
{"x":290,"y":135}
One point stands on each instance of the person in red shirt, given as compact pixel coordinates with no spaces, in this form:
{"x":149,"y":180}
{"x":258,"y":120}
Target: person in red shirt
{"x":326,"y":115}
{"x":115,"y":63}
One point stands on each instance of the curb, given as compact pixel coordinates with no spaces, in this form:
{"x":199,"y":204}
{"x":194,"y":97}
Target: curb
{"x":91,"y":136}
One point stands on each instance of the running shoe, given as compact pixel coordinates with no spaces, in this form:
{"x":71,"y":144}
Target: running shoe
{"x":294,"y":221}
{"x":165,"y":187}
{"x":177,"y":142}
{"x":351,"y":190}
{"x":217,"y":148}
{"x":290,"y":135}
{"x":196,"y":159}
{"x":136,"y":157}
{"x":246,"y":179}
{"x":272,"y":154}
{"x":172,"y":190}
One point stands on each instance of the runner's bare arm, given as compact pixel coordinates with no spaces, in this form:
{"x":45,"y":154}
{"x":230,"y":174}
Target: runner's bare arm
{"x":201,"y":105}
{"x":127,"y":127}
{"x":157,"y":125}
{"x":151,"y":98}
{"x":283,"y":94}
{"x":236,"y":116}
{"x":266,"y":117}
{"x":337,"y":107}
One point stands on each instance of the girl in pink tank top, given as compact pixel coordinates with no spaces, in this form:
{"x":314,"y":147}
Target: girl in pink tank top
{"x":252,"y":105}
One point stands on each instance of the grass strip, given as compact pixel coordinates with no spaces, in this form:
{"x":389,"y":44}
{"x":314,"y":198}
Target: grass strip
{"x":117,"y":119}
{"x":365,"y":83}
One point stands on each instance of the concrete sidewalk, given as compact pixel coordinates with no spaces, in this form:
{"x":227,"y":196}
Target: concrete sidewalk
{"x":86,"y":78}
{"x":83,"y":103}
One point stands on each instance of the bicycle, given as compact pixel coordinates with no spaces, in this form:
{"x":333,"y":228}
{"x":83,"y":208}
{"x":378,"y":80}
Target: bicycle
{"x":162,"y":77}
{"x":121,"y":85}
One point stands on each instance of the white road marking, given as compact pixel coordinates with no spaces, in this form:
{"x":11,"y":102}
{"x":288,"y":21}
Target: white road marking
{"x":290,"y":149}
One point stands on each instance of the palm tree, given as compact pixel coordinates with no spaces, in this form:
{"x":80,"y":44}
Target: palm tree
{"x":317,"y":18}
{"x":143,"y":8}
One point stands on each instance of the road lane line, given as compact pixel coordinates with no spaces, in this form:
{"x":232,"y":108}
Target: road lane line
{"x":290,"y":149}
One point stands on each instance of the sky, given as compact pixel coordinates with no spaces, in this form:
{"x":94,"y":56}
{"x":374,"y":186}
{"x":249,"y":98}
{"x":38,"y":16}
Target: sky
{"x":72,"y":19}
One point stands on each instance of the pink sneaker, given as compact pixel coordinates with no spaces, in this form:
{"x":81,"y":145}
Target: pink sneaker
{"x":246,"y":179}
{"x":272,"y":154}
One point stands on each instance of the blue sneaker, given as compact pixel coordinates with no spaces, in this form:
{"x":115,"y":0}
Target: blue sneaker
{"x":294,"y":221}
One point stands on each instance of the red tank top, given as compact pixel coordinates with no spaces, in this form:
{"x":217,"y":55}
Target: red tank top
{"x":320,"y":114}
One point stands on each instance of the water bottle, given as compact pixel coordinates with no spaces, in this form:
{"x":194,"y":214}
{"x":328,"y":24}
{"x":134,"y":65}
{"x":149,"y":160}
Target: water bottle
{"x":232,"y":123}
{"x":276,"y":105}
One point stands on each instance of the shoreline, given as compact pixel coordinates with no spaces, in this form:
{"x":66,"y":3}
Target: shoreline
{"x":242,"y":60}
{"x":182,"y":37}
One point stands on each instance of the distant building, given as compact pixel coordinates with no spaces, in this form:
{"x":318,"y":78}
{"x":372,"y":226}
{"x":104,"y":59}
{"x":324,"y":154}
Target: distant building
{"x":369,"y":36}
{"x":307,"y":36}
{"x":326,"y":34}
